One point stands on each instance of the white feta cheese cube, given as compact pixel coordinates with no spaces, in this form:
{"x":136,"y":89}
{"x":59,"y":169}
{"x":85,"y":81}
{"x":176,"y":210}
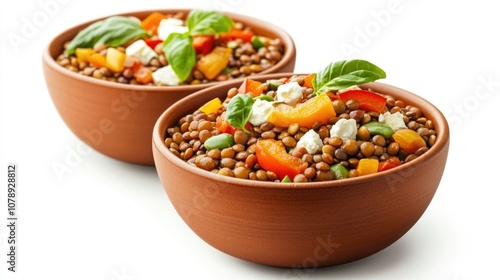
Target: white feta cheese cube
{"x":169,"y":26}
{"x":142,"y":51}
{"x":166,"y":76}
{"x":289,"y":93}
{"x":260,"y":112}
{"x":394,"y":121}
{"x":311,"y":142}
{"x":345,"y":129}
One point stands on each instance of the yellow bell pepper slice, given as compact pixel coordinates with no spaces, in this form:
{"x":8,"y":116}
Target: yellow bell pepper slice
{"x":115,"y":59}
{"x":82,"y":54}
{"x":212,"y":106}
{"x":408,"y":140}
{"x":214,"y":62}
{"x":367,"y":166}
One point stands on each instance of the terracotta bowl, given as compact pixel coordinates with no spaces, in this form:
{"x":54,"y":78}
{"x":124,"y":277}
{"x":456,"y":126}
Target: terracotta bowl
{"x":300,"y":224}
{"x":116,"y":119}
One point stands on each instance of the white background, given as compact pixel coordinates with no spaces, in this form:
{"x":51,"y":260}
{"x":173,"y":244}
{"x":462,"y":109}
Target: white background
{"x":111,"y":220}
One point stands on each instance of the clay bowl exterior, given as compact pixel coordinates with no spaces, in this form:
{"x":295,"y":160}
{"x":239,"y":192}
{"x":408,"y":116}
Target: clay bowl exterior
{"x":300,"y":224}
{"x":116,"y":119}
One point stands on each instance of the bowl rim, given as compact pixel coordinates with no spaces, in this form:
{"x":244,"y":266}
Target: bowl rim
{"x":287,"y":40}
{"x":442,"y":141}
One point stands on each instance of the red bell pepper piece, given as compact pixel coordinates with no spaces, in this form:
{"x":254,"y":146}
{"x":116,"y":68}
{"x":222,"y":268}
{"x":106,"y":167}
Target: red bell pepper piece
{"x":203,"y":43}
{"x":234,"y":34}
{"x":224,"y":126}
{"x":368,"y":100}
{"x":272,"y":156}
{"x":153,"y":42}
{"x":388,"y":164}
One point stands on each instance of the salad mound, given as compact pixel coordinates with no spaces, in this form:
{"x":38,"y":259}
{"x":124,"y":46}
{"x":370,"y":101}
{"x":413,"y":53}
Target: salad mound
{"x":170,"y":49}
{"x":304,"y":128}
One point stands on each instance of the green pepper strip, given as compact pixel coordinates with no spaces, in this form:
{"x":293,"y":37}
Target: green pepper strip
{"x":377,"y":128}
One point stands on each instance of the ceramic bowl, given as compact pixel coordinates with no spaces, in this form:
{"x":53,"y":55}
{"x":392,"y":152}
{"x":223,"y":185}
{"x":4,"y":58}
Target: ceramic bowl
{"x":117,"y":119}
{"x":311,"y":224}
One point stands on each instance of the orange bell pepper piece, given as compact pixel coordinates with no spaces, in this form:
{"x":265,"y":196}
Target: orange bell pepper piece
{"x":143,"y":76}
{"x":367,"y":166}
{"x":308,"y":80}
{"x":272,"y":156}
{"x":408,"y":140}
{"x":152,"y":21}
{"x":249,"y":85}
{"x":214,"y":62}
{"x":368,"y":100}
{"x":317,"y":109}
{"x":97,"y":60}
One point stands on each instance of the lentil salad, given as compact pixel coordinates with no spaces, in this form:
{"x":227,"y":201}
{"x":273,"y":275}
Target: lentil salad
{"x":170,"y":49}
{"x":319,"y":131}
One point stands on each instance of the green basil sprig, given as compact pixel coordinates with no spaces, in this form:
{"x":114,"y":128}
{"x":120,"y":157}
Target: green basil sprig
{"x":346,"y":73}
{"x":199,"y":22}
{"x":113,"y":32}
{"x":239,"y":111}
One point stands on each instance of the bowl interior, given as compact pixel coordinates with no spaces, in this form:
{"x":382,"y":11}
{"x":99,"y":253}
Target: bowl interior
{"x":117,"y":119}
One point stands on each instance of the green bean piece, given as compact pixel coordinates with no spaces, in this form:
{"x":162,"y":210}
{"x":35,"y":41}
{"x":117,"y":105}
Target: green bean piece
{"x":220,"y":141}
{"x":377,"y":128}
{"x":340,"y":171}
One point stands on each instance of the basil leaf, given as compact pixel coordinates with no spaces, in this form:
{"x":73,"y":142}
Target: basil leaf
{"x":112,"y":32}
{"x":200,"y":22}
{"x":180,"y":53}
{"x":239,"y":110}
{"x":346,"y":73}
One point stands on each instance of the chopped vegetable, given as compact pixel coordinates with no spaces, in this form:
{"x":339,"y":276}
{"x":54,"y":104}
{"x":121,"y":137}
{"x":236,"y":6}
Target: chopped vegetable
{"x":220,"y":141}
{"x":408,"y":140}
{"x":152,"y":43}
{"x":317,"y":109}
{"x":367,"y":166}
{"x":340,"y":171}
{"x":143,"y":75}
{"x":257,"y":42}
{"x":378,"y":128}
{"x":214,"y":62}
{"x":223,"y":125}
{"x":286,"y":179}
{"x":234,"y":34}
{"x":368,"y":100}
{"x":212,"y":106}
{"x":272,"y":156}
{"x":82,"y":54}
{"x":273,"y":84}
{"x":203,"y":43}
{"x":97,"y":60}
{"x":115,"y":59}
{"x":308,"y":80}
{"x":249,"y":85}
{"x":389,"y":164}
{"x":152,"y":21}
